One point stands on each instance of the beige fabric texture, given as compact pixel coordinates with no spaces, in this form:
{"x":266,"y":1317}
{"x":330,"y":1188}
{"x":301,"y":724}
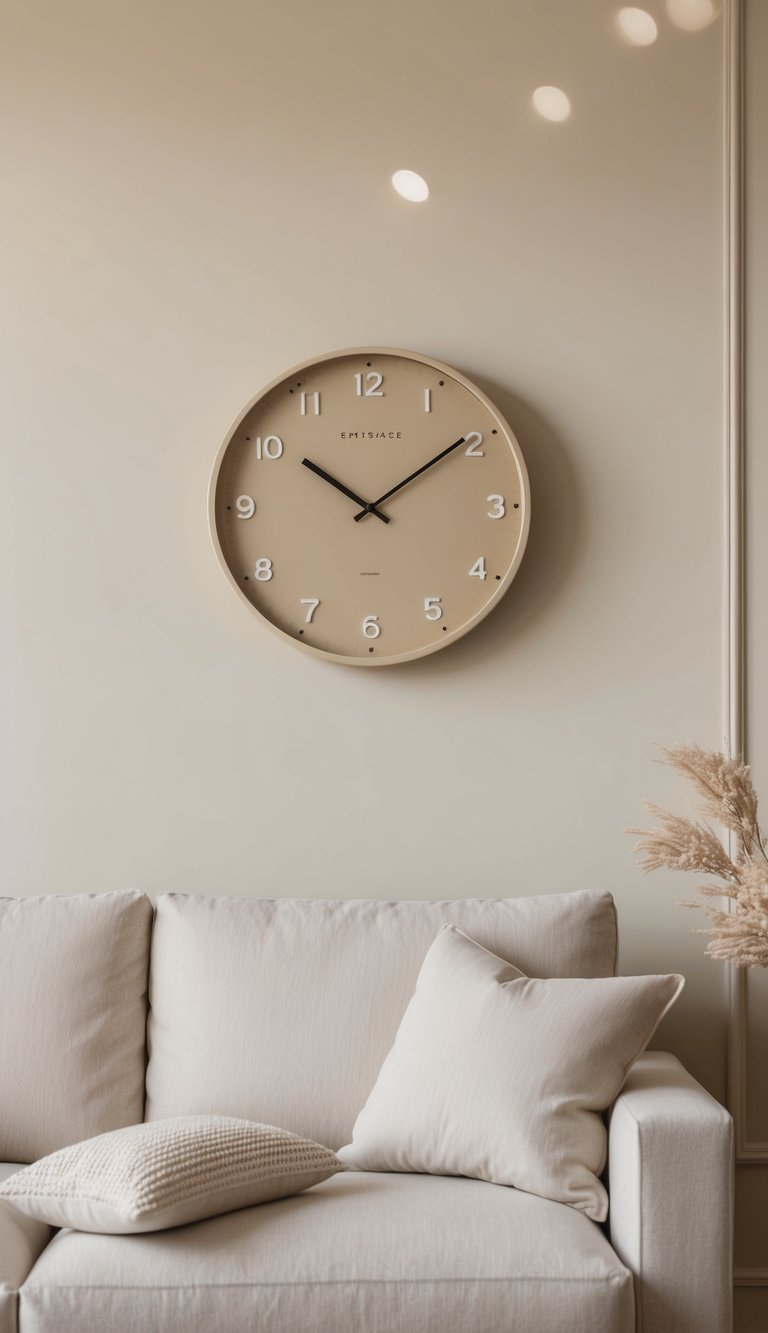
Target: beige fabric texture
{"x":22,"y":1240}
{"x":283,"y":1011}
{"x":149,"y":1177}
{"x":503,"y":1077}
{"x":358,"y":1254}
{"x":73,"y":996}
{"x":670,"y":1174}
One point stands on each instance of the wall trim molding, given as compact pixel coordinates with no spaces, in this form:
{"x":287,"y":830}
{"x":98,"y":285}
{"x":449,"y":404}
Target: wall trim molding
{"x":734,"y":581}
{"x":734,"y":675}
{"x":750,"y":1277}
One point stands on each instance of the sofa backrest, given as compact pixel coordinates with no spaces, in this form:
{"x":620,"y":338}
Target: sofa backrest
{"x":73,"y":1012}
{"x":283,"y":1011}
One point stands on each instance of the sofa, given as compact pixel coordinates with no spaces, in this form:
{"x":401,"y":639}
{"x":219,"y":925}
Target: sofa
{"x":282,"y":1011}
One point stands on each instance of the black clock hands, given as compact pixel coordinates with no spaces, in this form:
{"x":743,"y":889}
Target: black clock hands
{"x":326,"y":476}
{"x":366,"y":508}
{"x":371,"y":509}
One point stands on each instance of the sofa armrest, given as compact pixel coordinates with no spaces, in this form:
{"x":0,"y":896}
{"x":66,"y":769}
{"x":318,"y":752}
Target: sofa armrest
{"x":670,"y":1173}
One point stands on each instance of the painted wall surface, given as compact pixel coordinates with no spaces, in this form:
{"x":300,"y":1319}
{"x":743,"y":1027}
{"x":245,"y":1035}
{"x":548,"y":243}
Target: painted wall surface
{"x":198,"y":198}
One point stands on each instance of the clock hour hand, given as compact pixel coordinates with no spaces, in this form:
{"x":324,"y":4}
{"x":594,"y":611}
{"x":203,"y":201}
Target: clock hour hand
{"x":371,"y":509}
{"x":326,"y":476}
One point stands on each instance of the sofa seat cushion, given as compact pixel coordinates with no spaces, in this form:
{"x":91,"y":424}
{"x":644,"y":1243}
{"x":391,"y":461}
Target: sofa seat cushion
{"x":282,"y":1012}
{"x":376,"y":1252}
{"x":21,"y":1241}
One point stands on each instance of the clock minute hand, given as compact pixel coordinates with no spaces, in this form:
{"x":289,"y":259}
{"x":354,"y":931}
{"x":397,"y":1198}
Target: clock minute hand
{"x":371,"y":509}
{"x":326,"y":476}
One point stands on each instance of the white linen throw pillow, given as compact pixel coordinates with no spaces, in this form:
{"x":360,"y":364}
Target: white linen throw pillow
{"x":503,"y":1077}
{"x":167,"y":1173}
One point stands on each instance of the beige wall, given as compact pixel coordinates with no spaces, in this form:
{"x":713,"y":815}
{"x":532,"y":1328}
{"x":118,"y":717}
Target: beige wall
{"x":199,"y":198}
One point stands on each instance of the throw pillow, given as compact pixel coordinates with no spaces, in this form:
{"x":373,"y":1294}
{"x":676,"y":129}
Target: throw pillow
{"x":504,"y":1077}
{"x":153,"y":1176}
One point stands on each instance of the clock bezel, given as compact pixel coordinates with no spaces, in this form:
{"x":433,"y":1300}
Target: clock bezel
{"x":525,"y":505}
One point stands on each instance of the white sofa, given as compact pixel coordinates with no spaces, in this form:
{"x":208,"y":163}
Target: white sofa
{"x":282,"y":1012}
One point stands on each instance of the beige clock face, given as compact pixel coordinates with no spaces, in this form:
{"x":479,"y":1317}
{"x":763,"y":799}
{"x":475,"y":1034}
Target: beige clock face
{"x":324,"y":529}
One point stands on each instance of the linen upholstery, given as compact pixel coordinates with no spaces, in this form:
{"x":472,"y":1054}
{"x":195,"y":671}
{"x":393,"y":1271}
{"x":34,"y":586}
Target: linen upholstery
{"x":499,"y":1076}
{"x":384,"y":1254}
{"x":166,"y":1174}
{"x":21,"y":1241}
{"x":671,"y":1186}
{"x":283,"y":1011}
{"x":73,"y":996}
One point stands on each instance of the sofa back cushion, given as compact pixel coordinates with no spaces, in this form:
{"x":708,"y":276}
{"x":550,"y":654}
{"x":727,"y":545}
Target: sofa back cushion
{"x":73,"y":1012}
{"x":283,"y":1011}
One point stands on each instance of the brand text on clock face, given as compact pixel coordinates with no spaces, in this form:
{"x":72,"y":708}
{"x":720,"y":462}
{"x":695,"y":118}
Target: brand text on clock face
{"x":371,"y":435}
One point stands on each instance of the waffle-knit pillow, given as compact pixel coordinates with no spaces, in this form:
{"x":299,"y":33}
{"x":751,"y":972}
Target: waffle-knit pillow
{"x":153,"y":1176}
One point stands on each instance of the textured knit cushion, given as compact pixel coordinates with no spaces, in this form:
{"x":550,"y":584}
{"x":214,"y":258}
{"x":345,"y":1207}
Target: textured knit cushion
{"x":150,"y":1177}
{"x":73,"y":1018}
{"x":502,"y":1077}
{"x":283,"y":1011}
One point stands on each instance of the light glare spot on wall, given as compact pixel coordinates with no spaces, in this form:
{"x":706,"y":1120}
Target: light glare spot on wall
{"x":552,"y":103}
{"x":637,"y":26}
{"x":693,"y":15}
{"x":411,"y":186}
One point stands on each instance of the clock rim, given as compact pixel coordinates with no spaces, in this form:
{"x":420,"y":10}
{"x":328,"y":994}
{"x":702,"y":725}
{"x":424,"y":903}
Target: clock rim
{"x":525,"y":501}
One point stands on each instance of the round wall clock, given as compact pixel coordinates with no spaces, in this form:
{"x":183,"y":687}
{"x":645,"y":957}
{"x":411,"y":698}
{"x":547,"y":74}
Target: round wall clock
{"x":371,"y":506}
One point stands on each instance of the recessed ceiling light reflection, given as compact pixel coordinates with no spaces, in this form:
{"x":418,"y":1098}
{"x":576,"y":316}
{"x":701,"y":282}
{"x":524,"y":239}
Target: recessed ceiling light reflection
{"x":411,"y":186}
{"x":637,"y":26}
{"x":552,"y":103}
{"x":693,"y":15}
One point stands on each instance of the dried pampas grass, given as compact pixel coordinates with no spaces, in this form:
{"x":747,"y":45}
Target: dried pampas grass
{"x":726,"y":794}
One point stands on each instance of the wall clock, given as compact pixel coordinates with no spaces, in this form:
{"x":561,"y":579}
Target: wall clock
{"x":371,"y":505}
